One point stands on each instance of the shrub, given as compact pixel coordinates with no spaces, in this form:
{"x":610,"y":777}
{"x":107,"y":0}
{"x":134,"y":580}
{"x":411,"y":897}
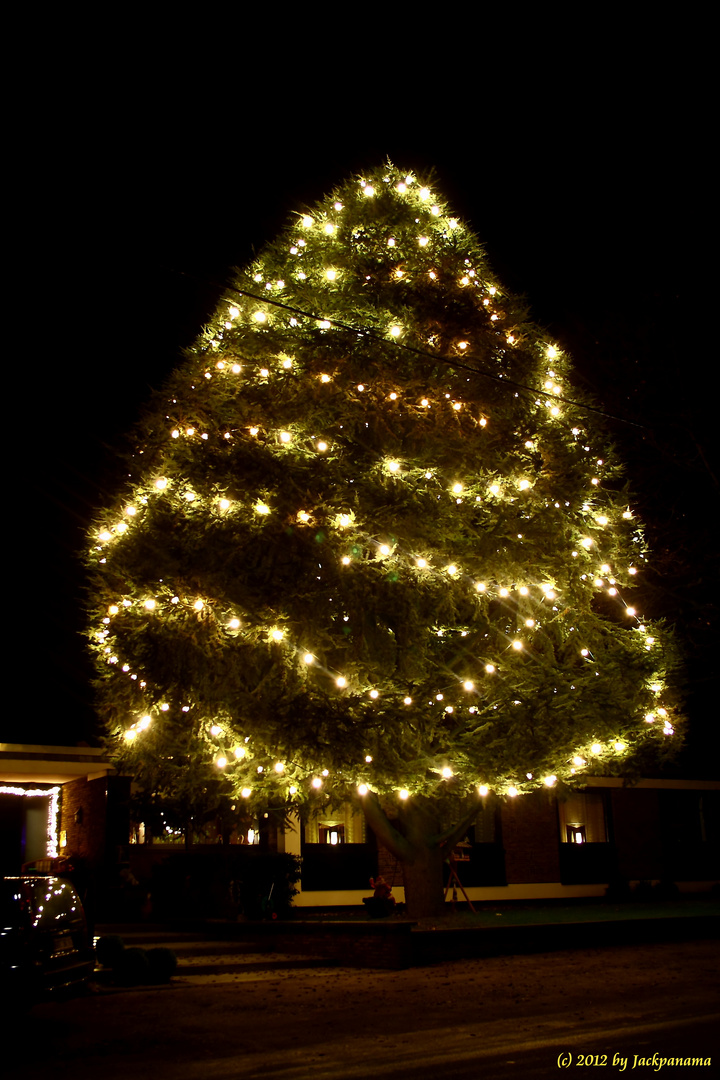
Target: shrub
{"x":133,"y":968}
{"x":109,"y":950}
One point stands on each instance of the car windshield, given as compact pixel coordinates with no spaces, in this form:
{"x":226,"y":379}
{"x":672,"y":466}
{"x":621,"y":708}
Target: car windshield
{"x":10,"y":901}
{"x":46,"y":902}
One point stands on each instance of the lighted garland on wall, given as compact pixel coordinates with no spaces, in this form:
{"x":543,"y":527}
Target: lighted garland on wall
{"x":365,"y":533}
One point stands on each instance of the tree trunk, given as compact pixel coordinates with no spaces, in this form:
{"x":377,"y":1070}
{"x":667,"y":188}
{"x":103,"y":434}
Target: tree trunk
{"x":421,"y":845}
{"x":423,"y":880}
{"x":422,"y":870}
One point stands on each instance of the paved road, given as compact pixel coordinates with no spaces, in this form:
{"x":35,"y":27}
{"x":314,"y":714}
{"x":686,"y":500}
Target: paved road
{"x":489,"y":1019}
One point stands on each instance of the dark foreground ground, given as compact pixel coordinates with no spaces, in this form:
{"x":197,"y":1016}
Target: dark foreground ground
{"x":507,"y":1016}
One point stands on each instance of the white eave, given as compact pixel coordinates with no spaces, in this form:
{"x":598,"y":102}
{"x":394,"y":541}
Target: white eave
{"x":21,"y":763}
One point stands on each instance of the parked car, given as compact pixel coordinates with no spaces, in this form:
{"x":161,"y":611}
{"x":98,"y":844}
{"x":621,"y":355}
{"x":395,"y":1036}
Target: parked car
{"x":44,"y":940}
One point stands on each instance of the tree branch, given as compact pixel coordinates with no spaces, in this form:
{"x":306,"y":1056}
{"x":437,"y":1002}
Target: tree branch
{"x":447,"y":840}
{"x":386,"y":833}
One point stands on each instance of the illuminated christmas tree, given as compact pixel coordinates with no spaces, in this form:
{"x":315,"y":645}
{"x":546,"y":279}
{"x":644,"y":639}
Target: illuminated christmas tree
{"x":373,"y":545}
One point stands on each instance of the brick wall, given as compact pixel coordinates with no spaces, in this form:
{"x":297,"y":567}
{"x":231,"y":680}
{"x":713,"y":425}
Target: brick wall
{"x":83,"y":818}
{"x":370,"y":945}
{"x":389,"y":867}
{"x":530,"y":838}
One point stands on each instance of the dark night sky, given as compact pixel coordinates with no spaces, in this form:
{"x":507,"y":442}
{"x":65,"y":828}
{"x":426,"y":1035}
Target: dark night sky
{"x":590,"y":194}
